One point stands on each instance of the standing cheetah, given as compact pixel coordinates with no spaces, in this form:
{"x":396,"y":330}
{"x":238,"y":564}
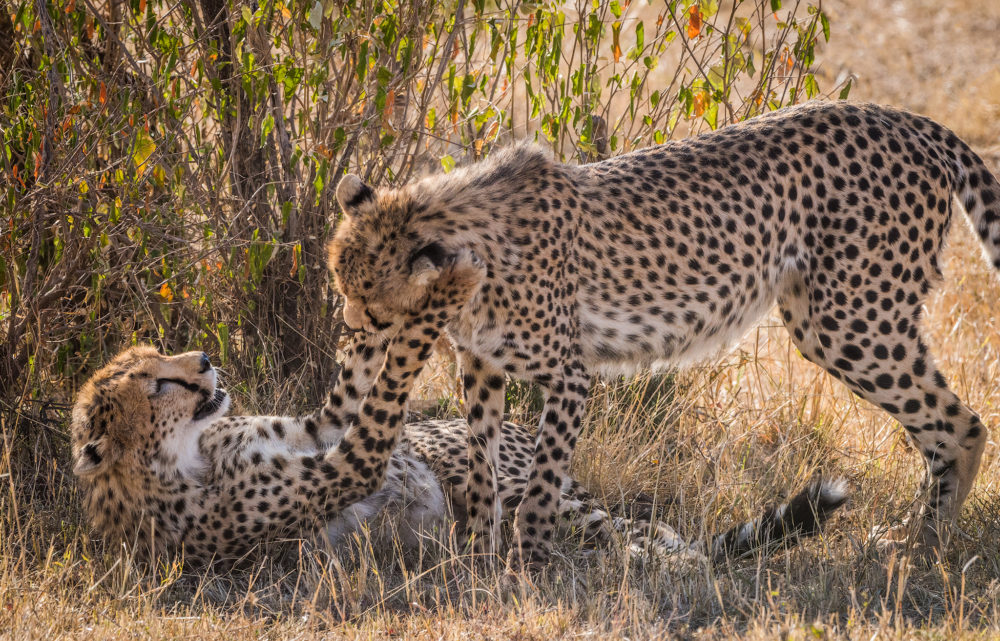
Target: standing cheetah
{"x":836,"y":212}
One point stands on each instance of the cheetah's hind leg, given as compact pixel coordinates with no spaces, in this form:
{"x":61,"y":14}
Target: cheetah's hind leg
{"x":880,"y":356}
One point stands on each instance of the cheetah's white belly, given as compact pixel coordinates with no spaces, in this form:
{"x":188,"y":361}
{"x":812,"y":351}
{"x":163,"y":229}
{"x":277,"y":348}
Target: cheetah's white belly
{"x":616,"y":342}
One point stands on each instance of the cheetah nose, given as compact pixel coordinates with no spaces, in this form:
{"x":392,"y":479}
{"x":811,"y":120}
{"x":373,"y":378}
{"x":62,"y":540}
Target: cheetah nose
{"x":205,"y":363}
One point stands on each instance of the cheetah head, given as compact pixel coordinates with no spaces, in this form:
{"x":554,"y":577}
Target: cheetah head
{"x":139,"y":411}
{"x":382,"y":265}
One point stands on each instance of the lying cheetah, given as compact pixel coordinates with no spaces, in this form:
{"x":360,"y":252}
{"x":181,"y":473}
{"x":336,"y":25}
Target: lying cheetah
{"x":160,"y":460}
{"x":836,"y":212}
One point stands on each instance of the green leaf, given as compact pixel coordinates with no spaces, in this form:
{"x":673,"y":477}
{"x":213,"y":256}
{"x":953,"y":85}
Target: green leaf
{"x":266,"y":128}
{"x":447,"y":163}
{"x":775,"y":5}
{"x":823,"y":20}
{"x":468,"y":86}
{"x":845,"y":91}
{"x":640,"y":35}
{"x":222,"y":331}
{"x":362,"y":68}
{"x":712,"y":115}
{"x":810,"y":85}
{"x":616,"y":9}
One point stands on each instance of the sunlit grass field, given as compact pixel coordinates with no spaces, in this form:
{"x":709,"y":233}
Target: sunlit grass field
{"x":727,"y":438}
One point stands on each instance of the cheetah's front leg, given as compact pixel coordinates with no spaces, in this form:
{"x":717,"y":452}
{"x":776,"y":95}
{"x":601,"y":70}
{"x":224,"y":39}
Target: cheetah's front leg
{"x":562,"y":416}
{"x":362,"y":361}
{"x":324,"y":427}
{"x":483,"y":388}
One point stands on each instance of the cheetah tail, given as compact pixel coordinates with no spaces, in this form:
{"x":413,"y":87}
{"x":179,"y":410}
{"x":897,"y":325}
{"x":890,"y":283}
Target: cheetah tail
{"x":979,"y":192}
{"x":783,"y":525}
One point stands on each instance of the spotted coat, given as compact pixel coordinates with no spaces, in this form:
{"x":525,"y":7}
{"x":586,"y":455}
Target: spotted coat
{"x":161,"y":466}
{"x":837,"y":212}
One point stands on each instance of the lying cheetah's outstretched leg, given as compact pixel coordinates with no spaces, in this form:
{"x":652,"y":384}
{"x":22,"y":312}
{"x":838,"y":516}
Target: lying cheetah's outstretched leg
{"x":887,"y":364}
{"x":561,"y":420}
{"x":362,"y":361}
{"x":324,"y":427}
{"x":483,"y":387}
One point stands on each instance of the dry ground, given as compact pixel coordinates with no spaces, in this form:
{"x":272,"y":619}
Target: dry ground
{"x":734,"y":435}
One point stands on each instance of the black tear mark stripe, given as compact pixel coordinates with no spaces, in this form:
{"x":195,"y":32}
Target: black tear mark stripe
{"x":191,"y":387}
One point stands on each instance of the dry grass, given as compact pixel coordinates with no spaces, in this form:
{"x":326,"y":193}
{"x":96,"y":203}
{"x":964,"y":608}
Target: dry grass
{"x":735,"y":435}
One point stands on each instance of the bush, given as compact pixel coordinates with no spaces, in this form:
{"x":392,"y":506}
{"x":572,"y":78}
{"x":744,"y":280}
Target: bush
{"x":169,"y":166}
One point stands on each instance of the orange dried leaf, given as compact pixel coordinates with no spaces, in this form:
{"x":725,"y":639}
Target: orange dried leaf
{"x":694,"y":22}
{"x":390,"y":104}
{"x":103,"y":98}
{"x":491,"y":134}
{"x":616,"y":47}
{"x":166,"y":293}
{"x":701,"y":100}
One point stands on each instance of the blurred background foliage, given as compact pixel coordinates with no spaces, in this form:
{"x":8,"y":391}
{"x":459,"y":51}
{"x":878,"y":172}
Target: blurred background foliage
{"x":168,"y":166}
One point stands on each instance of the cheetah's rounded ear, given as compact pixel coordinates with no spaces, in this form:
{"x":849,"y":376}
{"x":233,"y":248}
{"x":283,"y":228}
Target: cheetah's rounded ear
{"x":426,"y":264}
{"x":92,"y":458}
{"x":352,"y":192}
